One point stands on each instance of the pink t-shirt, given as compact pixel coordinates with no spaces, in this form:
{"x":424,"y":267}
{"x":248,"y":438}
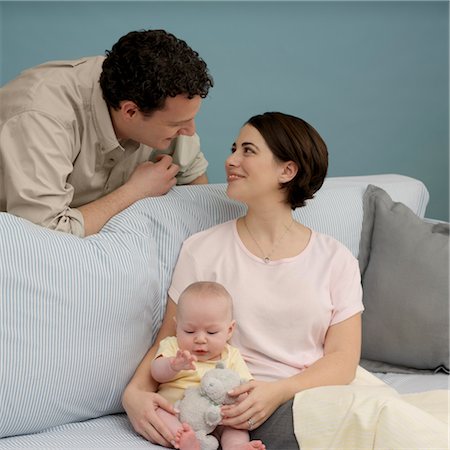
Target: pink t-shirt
{"x":283,"y":309}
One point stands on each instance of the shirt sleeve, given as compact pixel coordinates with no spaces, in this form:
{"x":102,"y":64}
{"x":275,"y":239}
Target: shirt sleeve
{"x":186,"y":153}
{"x":167,"y":347}
{"x":37,"y":154}
{"x":238,"y":364}
{"x":346,"y":289}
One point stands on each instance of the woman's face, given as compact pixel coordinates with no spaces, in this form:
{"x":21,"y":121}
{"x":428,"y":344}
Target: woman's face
{"x":252,"y":171}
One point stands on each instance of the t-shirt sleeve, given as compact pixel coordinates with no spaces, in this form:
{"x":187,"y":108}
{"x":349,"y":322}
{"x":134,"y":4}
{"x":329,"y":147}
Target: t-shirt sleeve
{"x":346,"y":289}
{"x":167,"y":347}
{"x":238,"y":364}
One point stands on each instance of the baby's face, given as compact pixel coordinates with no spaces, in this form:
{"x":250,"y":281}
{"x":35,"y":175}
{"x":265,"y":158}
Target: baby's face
{"x":204,"y":329}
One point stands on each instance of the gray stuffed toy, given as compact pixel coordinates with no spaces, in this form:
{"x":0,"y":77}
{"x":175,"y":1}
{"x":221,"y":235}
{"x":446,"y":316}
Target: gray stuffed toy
{"x":200,"y":406}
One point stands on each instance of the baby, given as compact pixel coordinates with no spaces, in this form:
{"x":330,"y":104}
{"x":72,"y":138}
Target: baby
{"x":204,"y":324}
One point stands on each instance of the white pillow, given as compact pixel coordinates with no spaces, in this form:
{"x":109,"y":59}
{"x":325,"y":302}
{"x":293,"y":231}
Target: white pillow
{"x":76,"y":317}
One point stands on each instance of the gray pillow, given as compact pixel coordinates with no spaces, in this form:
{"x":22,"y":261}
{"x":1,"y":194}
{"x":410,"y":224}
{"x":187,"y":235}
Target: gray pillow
{"x":404,"y":265}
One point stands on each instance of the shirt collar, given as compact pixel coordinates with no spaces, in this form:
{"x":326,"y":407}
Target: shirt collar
{"x":102,"y":120}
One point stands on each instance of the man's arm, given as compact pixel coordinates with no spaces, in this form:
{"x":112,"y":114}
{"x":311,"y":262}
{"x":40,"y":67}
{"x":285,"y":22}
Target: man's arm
{"x":148,"y":180}
{"x":36,"y":153}
{"x":45,"y":199}
{"x":155,"y":178}
{"x":98,"y":212}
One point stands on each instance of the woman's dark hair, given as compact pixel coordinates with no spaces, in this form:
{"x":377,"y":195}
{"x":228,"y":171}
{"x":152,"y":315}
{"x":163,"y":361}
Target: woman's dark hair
{"x":148,"y":66}
{"x":292,"y":139}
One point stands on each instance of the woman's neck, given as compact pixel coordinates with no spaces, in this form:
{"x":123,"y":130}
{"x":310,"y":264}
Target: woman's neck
{"x":272,"y":234}
{"x":268,"y":222}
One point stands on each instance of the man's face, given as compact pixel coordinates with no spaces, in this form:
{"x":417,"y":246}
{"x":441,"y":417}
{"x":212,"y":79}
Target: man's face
{"x":162,"y":126}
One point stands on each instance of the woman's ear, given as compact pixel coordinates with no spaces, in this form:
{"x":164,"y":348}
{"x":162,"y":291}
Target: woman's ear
{"x":288,"y":172}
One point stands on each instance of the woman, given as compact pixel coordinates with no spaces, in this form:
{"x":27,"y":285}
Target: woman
{"x":297,"y":292}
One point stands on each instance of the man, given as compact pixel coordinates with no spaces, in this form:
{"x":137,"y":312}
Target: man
{"x":82,"y":140}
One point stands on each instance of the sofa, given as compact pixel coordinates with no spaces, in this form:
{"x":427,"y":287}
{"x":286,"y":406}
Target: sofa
{"x":77,"y":315}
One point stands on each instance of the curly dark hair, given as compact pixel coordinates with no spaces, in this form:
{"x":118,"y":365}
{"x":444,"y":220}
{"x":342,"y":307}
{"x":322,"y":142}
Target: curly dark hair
{"x":148,"y":66}
{"x":292,"y":139}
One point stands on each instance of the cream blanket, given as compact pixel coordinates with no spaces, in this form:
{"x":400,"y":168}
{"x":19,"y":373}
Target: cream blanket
{"x":368,"y":414}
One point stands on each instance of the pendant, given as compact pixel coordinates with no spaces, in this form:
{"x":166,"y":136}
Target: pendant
{"x":266,"y":259}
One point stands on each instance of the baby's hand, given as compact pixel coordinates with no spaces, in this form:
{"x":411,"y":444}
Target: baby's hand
{"x":183,"y":360}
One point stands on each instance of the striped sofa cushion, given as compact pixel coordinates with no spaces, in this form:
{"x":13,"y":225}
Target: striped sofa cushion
{"x":75,"y":320}
{"x":77,"y":315}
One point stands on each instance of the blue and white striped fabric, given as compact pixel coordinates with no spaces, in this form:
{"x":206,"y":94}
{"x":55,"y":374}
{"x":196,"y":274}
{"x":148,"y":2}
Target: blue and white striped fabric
{"x":77,"y":315}
{"x":113,"y":431}
{"x":75,"y":320}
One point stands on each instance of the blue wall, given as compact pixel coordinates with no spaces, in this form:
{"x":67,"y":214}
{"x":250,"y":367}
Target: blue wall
{"x":372,"y":77}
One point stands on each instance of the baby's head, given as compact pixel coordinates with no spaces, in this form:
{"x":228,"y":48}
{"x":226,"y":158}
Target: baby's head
{"x":204,"y":320}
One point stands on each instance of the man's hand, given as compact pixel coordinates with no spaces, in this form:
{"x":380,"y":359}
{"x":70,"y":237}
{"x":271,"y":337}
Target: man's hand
{"x":152,"y":179}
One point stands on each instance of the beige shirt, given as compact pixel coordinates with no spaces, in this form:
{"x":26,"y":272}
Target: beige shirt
{"x":58,"y":149}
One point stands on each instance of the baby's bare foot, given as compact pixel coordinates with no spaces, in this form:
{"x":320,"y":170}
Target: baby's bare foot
{"x":185,"y":438}
{"x":252,"y":445}
{"x":257,"y":444}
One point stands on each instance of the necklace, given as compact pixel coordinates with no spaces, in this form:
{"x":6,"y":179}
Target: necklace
{"x":266,"y":257}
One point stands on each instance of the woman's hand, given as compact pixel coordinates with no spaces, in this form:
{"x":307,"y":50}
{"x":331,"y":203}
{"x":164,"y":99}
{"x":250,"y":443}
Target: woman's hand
{"x":262,"y":399}
{"x":140,"y":400}
{"x":140,"y":407}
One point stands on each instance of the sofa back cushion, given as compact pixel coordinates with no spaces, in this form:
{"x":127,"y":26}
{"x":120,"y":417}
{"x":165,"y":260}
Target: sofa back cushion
{"x":77,"y":315}
{"x":404,"y":263}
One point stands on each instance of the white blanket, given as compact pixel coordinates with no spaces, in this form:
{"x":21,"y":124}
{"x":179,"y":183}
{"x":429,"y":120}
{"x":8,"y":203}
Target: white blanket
{"x":368,"y":414}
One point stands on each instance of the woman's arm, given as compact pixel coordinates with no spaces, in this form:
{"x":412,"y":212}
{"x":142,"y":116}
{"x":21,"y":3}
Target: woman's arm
{"x":342,"y":349}
{"x":140,"y":400}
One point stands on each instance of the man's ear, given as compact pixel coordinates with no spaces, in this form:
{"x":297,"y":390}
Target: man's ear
{"x":128,"y":109}
{"x":288,"y":172}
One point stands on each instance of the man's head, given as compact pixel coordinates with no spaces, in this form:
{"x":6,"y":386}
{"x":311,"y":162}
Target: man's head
{"x":148,"y":66}
{"x":153,"y":84}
